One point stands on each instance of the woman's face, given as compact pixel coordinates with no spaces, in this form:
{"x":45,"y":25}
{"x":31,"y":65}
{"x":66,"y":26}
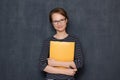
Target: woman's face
{"x":59,"y":22}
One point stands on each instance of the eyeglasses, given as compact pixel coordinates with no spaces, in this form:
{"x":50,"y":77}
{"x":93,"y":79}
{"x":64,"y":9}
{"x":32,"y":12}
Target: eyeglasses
{"x":59,"y":21}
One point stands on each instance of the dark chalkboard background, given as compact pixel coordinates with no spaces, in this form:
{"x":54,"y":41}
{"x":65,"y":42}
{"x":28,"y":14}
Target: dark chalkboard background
{"x":24,"y":24}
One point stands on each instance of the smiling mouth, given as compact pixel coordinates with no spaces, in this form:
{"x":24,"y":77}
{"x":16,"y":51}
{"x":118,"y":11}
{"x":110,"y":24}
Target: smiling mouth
{"x":59,"y":27}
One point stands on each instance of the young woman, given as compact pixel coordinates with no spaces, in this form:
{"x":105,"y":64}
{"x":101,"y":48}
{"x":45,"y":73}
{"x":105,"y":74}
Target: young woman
{"x":59,"y":19}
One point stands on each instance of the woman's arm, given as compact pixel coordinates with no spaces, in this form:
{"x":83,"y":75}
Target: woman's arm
{"x":78,"y":58}
{"x":53,"y":70}
{"x":52,"y":62}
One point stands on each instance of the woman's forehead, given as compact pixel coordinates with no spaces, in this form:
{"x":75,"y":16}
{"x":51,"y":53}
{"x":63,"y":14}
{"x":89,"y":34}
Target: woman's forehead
{"x":57,"y":16}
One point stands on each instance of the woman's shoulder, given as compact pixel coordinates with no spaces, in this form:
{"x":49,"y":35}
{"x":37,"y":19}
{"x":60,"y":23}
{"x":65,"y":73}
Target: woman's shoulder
{"x":73,"y":36}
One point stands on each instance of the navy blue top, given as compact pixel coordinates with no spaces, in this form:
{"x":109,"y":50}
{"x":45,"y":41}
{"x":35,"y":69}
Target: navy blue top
{"x":78,"y":58}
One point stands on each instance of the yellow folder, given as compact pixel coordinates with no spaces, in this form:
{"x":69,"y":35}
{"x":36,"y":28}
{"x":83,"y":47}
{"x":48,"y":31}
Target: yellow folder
{"x":62,"y":51}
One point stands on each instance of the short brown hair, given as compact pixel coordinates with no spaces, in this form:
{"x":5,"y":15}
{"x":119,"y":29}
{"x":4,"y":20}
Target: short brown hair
{"x":58,"y":10}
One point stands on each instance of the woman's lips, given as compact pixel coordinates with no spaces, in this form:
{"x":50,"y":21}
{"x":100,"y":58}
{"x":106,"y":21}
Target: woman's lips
{"x":59,"y":27}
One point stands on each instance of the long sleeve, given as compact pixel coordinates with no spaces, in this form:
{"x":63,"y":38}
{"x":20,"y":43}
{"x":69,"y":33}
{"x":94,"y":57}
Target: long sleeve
{"x":44,"y":55}
{"x":78,"y":55}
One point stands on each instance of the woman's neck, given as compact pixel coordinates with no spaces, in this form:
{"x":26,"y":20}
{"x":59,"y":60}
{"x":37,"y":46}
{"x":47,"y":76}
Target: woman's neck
{"x":61,"y":35}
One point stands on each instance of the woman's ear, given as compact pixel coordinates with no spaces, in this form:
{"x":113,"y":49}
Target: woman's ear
{"x":66,"y":20}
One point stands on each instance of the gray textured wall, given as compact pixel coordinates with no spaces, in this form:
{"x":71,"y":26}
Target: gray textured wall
{"x":24,"y":24}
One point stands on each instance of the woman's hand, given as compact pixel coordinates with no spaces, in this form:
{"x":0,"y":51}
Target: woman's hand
{"x":72,"y":65}
{"x":70,"y":72}
{"x":51,"y":62}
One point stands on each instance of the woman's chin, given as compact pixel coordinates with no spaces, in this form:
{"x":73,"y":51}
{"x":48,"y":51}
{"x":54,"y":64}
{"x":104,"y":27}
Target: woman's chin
{"x":60,"y":30}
